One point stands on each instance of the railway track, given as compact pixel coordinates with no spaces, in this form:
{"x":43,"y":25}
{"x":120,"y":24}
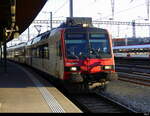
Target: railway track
{"x":98,"y":103}
{"x":134,"y":78}
{"x":133,"y":61}
{"x":139,"y":66}
{"x":93,"y":103}
{"x":137,"y":73}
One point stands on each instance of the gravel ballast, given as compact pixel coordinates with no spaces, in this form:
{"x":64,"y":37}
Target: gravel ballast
{"x":135,"y":96}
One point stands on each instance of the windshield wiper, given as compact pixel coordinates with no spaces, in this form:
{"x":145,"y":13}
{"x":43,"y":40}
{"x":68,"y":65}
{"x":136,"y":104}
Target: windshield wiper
{"x":82,"y":56}
{"x":94,"y":52}
{"x":72,"y":55}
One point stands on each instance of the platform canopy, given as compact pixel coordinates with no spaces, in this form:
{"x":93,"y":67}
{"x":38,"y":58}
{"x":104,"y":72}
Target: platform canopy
{"x":17,"y":15}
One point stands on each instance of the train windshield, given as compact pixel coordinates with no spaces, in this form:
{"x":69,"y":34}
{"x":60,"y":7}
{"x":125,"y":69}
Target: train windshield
{"x":99,"y":45}
{"x":76,"y":46}
{"x":90,"y":45}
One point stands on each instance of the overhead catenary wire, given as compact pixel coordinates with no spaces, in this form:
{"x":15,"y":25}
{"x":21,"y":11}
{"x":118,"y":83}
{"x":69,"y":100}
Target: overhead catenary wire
{"x":58,"y":9}
{"x":125,"y":10}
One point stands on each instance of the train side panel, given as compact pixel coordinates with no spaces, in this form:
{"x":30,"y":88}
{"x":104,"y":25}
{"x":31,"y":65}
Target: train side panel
{"x":56,"y":58}
{"x":53,"y":63}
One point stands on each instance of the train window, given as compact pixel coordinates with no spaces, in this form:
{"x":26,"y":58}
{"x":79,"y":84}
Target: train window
{"x":45,"y":36}
{"x":29,"y":42}
{"x":78,"y":45}
{"x":33,"y":52}
{"x":97,"y":35}
{"x":59,"y":49}
{"x":99,"y":42}
{"x":38,"y":52}
{"x":36,"y":40}
{"x":75,"y":41}
{"x":75,"y":36}
{"x":29,"y":52}
{"x":44,"y":51}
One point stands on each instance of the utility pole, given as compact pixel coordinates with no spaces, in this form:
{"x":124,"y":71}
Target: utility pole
{"x":112,"y":6}
{"x":5,"y":50}
{"x":133,"y":29}
{"x":147,"y":4}
{"x":51,"y":26}
{"x":71,"y":8}
{"x":50,"y":19}
{"x":118,"y":30}
{"x":5,"y":53}
{"x":28,"y":33}
{"x":1,"y":52}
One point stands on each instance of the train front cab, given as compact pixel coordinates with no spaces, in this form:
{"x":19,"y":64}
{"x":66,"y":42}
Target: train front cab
{"x":88,"y":56}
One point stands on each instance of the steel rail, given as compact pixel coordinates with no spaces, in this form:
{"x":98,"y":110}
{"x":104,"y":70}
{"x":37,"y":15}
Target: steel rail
{"x":132,"y":78}
{"x":94,"y":103}
{"x":116,"y":102}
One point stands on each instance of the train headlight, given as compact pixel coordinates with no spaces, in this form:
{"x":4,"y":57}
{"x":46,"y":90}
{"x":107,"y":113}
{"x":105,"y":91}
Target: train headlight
{"x":108,"y":67}
{"x":85,"y":25}
{"x":73,"y":68}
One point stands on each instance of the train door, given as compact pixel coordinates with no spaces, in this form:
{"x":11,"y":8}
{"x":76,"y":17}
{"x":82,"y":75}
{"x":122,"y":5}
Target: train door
{"x":52,"y":56}
{"x":59,"y":59}
{"x":43,"y":60}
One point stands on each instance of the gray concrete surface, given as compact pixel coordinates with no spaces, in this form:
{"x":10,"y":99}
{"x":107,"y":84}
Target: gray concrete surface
{"x":18,"y":93}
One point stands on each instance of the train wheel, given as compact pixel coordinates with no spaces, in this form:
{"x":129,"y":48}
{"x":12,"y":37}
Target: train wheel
{"x":81,"y":88}
{"x":100,"y":89}
{"x":103,"y":88}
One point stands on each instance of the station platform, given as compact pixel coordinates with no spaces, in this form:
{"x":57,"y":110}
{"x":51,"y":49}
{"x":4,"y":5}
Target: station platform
{"x":26,"y":92}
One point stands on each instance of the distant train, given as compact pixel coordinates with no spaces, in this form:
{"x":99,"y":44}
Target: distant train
{"x":132,"y":51}
{"x":75,"y":52}
{"x":130,"y":41}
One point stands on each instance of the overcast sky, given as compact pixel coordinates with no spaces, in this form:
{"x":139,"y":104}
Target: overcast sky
{"x":125,"y":10}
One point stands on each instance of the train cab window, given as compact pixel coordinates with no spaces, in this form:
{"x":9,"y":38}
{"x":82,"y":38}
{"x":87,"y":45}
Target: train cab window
{"x":99,"y":42}
{"x":92,"y":45}
{"x":75,"y":36}
{"x":76,"y":45}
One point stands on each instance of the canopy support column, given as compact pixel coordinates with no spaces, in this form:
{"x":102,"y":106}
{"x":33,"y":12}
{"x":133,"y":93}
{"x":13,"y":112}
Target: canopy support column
{"x":1,"y":53}
{"x":5,"y":59}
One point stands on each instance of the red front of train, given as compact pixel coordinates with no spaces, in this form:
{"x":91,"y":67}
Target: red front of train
{"x":88,"y":56}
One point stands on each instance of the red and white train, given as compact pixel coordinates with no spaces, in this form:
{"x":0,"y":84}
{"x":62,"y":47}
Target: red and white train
{"x":75,"y":52}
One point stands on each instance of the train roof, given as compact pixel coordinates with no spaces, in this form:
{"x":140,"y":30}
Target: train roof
{"x":132,"y":46}
{"x":17,"y":46}
{"x":77,"y":22}
{"x":39,"y":37}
